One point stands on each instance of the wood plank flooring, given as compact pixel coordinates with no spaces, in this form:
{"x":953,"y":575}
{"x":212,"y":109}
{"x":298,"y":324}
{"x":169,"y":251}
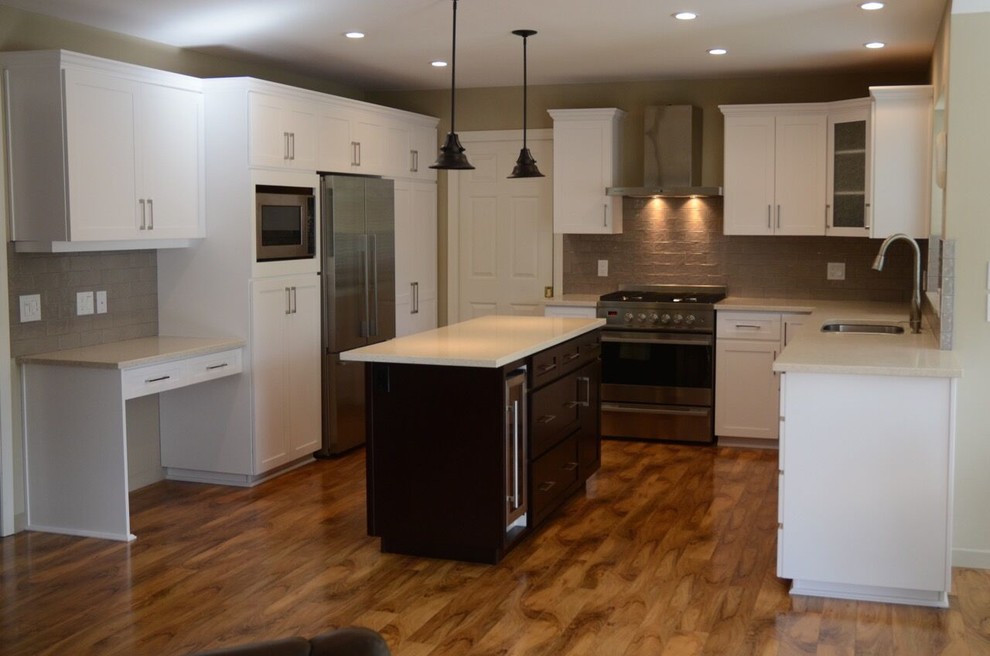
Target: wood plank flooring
{"x":670,"y":553}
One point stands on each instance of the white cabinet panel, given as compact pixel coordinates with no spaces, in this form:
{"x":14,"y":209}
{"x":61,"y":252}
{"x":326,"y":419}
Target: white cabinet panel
{"x":415,"y":256}
{"x":746,"y":389}
{"x":283,"y":132}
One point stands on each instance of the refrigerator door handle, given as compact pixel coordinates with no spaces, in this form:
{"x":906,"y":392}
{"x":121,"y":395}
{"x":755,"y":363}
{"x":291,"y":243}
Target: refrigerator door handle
{"x":364,"y":289}
{"x":373,"y":256}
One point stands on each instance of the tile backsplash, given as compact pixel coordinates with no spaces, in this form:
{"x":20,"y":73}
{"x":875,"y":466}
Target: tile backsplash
{"x":130,"y":279}
{"x":680,"y":241}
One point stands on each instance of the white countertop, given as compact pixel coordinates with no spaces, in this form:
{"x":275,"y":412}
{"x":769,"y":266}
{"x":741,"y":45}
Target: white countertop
{"x":573,"y":300}
{"x":490,"y":342}
{"x":812,"y":351}
{"x":132,"y":353}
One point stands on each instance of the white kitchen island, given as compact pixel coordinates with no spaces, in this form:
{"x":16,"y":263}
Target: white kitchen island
{"x":866,"y":461}
{"x":75,"y":423}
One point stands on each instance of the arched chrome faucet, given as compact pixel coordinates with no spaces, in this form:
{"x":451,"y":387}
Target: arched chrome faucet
{"x":915,"y":318}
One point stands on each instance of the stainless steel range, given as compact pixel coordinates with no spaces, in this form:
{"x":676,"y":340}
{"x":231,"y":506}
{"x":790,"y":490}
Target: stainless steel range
{"x":658,"y":362}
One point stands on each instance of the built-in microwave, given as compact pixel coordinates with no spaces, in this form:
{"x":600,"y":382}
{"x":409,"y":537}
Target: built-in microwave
{"x":285,"y":222}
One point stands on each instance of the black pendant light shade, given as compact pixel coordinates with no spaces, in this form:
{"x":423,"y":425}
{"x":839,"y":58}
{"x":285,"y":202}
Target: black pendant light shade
{"x":525,"y":165}
{"x":452,"y":152}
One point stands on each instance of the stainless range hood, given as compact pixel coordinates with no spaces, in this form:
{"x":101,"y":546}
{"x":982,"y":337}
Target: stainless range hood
{"x":671,"y":155}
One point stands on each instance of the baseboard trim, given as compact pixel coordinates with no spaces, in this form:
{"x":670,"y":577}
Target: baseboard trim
{"x":971,"y":558}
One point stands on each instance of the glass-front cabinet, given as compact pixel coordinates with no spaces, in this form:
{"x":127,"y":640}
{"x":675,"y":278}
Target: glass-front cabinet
{"x":849,"y":167}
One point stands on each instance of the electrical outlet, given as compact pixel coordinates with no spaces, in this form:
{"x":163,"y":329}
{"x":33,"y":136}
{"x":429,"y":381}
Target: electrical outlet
{"x":836,"y":271}
{"x":603,"y":268}
{"x":548,"y":291}
{"x":101,"y":301}
{"x":30,"y":307}
{"x":84,"y":303}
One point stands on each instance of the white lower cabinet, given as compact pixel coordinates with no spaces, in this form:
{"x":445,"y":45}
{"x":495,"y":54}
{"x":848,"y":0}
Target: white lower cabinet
{"x":285,"y":328}
{"x":746,"y":387}
{"x":865,"y":495}
{"x":415,"y":256}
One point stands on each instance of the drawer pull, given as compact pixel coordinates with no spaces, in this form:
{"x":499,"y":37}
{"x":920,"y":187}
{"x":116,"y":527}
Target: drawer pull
{"x":545,"y":487}
{"x":571,"y":466}
{"x":157,"y":380}
{"x":572,"y":404}
{"x":546,"y":419}
{"x":216,"y":366}
{"x":572,"y":356}
{"x":546,"y":367}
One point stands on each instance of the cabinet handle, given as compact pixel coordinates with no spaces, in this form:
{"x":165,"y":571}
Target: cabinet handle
{"x":546,"y":419}
{"x":413,"y":161}
{"x":868,"y":216}
{"x":157,"y":380}
{"x":546,"y":367}
{"x":747,"y":326}
{"x":572,"y":356}
{"x":216,"y":366}
{"x":288,"y":301}
{"x":605,"y":215}
{"x":769,"y":218}
{"x":292,"y":146}
{"x":355,"y":153}
{"x":571,"y":466}
{"x":415,"y":297}
{"x":587,"y":391}
{"x":545,"y":487}
{"x":144,"y":213}
{"x":295,"y":307}
{"x":778,"y":217}
{"x":828,"y":209}
{"x":151,"y":214}
{"x":285,"y":145}
{"x":572,"y":404}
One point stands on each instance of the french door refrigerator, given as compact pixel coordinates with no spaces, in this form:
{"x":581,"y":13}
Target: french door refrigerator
{"x":358,"y":285}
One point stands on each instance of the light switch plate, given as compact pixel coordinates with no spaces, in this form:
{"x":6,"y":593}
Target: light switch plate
{"x":101,"y":301}
{"x":836,"y":271}
{"x":84,"y":303}
{"x":30,"y":307}
{"x":603,"y":268}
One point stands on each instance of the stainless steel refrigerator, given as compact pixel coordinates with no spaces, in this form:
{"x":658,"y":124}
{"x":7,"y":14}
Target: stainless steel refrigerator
{"x":358,"y":283}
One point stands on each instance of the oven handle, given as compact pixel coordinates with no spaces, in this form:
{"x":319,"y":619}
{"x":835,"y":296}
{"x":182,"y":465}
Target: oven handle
{"x":654,"y":410}
{"x":653,"y":338}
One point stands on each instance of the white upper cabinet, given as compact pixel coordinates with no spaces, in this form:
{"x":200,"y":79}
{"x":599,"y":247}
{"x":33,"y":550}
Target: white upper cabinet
{"x":902,"y":156}
{"x":283,"y":131}
{"x":774,"y":170}
{"x":120,"y":148}
{"x":586,"y":160}
{"x":849,"y":169}
{"x":415,"y":256}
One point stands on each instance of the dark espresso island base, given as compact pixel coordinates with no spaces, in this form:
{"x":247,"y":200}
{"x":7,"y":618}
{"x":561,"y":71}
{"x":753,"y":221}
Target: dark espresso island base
{"x":465,"y":461}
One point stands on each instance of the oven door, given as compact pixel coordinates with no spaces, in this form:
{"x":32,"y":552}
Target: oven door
{"x":657,"y":385}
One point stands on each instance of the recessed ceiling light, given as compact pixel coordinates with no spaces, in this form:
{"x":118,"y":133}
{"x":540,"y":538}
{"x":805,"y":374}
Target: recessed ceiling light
{"x":439,"y":63}
{"x":874,"y":45}
{"x":354,"y":35}
{"x":717,"y":51}
{"x":871,"y":6}
{"x":685,"y":15}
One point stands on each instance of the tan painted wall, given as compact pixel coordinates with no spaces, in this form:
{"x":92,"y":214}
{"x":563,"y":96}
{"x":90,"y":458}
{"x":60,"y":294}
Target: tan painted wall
{"x":967,"y":221}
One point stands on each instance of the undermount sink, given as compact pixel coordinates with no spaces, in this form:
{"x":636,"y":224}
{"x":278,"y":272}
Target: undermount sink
{"x":875,"y":328}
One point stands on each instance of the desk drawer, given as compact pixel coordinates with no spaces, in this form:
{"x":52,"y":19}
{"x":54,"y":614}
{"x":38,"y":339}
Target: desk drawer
{"x":215,"y":365}
{"x":153,"y":379}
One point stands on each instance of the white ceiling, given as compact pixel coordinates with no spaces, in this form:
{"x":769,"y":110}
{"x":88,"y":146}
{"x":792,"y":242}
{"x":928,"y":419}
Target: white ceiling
{"x":579,"y":41}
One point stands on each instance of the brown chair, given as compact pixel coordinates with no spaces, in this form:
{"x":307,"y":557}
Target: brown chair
{"x":350,"y":641}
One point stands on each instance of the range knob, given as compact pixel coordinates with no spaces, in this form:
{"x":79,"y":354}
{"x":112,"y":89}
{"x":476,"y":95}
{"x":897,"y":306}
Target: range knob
{"x":689,"y":319}
{"x":665,"y":318}
{"x":628,"y":317}
{"x":653,"y":317}
{"x":678,"y":318}
{"x":641,"y":317}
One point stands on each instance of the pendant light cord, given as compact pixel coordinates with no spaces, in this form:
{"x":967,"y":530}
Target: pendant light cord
{"x":525,"y":89}
{"x":453,"y":68}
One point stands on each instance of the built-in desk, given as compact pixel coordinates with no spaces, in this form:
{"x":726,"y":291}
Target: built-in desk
{"x":75,"y":423}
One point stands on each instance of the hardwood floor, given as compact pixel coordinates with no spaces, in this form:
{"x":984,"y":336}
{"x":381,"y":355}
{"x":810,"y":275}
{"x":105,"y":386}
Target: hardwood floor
{"x":671,"y":552}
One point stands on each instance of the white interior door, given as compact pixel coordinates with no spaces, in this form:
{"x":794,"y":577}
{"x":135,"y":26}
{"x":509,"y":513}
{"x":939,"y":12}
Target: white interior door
{"x":500,"y":250}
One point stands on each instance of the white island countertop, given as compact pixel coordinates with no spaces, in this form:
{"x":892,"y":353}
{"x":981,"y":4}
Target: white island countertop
{"x":131,"y":353}
{"x":813,"y":351}
{"x":490,"y":342}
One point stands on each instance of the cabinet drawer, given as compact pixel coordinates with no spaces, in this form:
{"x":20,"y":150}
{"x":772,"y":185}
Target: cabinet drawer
{"x":546,"y":365}
{"x":764,"y":326}
{"x":153,"y":379}
{"x":215,"y":365}
{"x":555,"y":412}
{"x":554,"y":475}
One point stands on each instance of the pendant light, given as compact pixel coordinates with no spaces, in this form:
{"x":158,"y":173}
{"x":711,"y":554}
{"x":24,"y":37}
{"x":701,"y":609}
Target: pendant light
{"x":525,"y":165}
{"x":452,"y":152}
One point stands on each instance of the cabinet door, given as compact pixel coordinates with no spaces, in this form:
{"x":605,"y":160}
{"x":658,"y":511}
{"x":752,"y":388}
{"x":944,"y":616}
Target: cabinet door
{"x":101,"y":123}
{"x":302,"y":356}
{"x":582,"y":164}
{"x":368,"y":139}
{"x":423,"y":151}
{"x":283,"y":132}
{"x":299,"y":120}
{"x":404,"y":258}
{"x":334,"y":136}
{"x":749,"y":174}
{"x":589,"y":435}
{"x":271,"y":305}
{"x":799,"y":174}
{"x":746,"y":389}
{"x":848,"y":172}
{"x":425,"y":222}
{"x":171,"y":162}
